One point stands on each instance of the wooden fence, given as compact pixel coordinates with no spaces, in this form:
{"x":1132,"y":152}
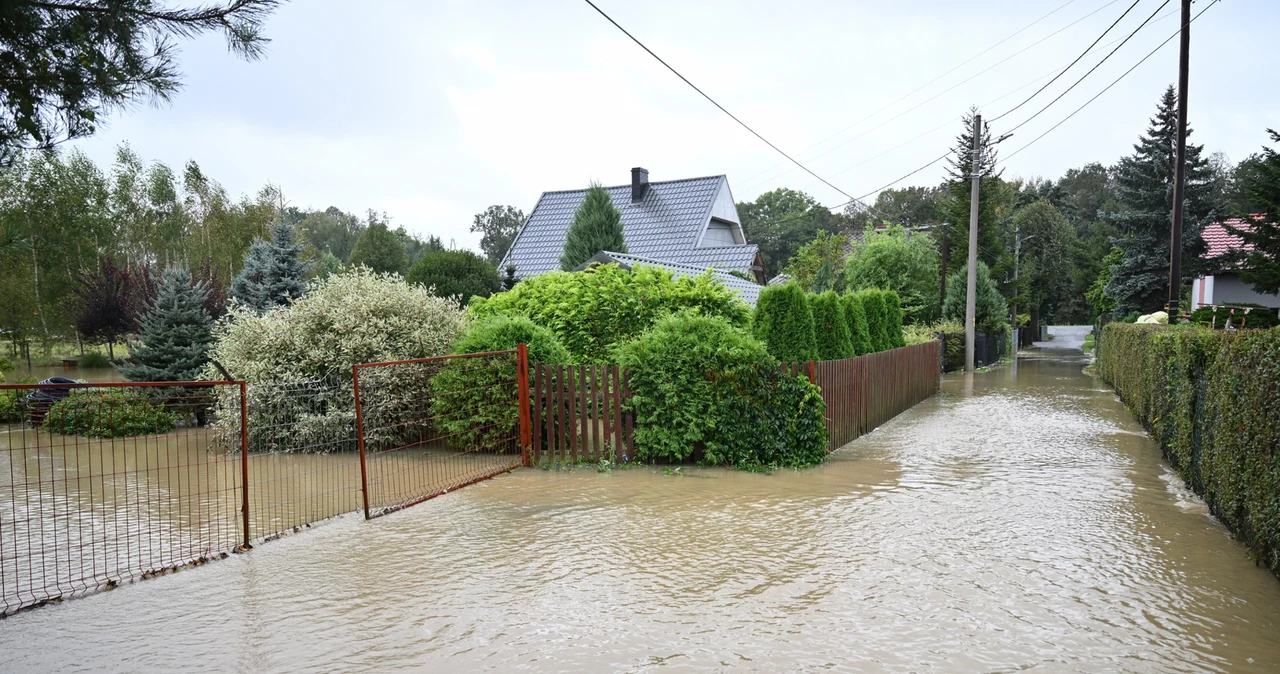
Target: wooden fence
{"x":579,"y":411}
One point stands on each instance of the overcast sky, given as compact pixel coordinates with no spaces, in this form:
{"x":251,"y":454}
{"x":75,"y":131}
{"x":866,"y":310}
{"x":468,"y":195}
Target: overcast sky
{"x":431,"y":111}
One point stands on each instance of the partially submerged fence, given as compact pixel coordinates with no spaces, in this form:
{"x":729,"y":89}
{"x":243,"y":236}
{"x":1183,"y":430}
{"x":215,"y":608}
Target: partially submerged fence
{"x":87,"y":502}
{"x":580,"y":415}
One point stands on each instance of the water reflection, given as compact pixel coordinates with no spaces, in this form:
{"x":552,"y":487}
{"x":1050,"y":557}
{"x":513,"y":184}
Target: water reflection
{"x":1022,"y":524}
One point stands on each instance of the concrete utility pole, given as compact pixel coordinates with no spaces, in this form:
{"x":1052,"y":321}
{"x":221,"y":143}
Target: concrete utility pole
{"x":1179,"y":169}
{"x":972,"y":286}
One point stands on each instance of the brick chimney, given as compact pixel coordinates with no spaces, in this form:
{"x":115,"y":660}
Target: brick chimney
{"x":639,"y":184}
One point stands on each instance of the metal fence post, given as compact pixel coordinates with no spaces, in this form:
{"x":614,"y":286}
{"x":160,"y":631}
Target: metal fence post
{"x":522,"y":395}
{"x":364,"y":469}
{"x":244,"y":461}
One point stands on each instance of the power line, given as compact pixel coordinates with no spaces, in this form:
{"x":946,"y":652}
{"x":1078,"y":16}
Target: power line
{"x":1072,"y":64}
{"x":1095,"y":67}
{"x":1108,"y":87}
{"x":752,"y":179}
{"x":713,"y":102}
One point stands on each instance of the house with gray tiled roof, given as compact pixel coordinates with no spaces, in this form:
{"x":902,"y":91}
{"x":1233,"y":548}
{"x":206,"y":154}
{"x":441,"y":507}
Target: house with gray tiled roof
{"x":691,"y":223}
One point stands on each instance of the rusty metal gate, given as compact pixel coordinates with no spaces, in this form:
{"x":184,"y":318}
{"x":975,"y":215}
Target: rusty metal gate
{"x":430,"y":425}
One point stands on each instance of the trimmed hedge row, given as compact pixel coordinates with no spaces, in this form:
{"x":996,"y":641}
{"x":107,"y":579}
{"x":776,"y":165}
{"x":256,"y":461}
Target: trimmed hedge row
{"x":1212,"y":401}
{"x":795,"y":326}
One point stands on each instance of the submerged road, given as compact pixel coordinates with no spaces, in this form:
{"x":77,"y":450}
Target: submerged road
{"x":1019,"y":521}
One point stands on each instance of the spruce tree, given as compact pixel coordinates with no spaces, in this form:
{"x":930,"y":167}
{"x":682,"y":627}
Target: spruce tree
{"x":873,"y":305}
{"x":784,"y":322}
{"x":1260,"y":181}
{"x":1144,"y":188}
{"x":991,"y":245}
{"x":176,"y":332}
{"x":893,"y":318}
{"x":273,"y":272}
{"x":830,"y":326}
{"x":859,"y":331}
{"x":596,"y":226}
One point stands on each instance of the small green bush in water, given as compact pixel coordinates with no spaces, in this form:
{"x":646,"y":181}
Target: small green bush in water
{"x":830,"y":327}
{"x":784,"y":323}
{"x":10,"y":409}
{"x":93,"y":359}
{"x":706,"y":391}
{"x":473,"y":399}
{"x":859,"y":331}
{"x":107,"y":413}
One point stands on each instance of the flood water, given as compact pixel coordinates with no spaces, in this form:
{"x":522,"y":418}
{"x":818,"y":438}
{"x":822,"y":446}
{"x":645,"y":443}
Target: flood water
{"x":1016,"y":522}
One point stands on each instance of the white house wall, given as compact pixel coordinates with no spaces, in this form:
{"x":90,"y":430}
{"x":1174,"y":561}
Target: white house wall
{"x":723,"y":208}
{"x":1229,"y":289}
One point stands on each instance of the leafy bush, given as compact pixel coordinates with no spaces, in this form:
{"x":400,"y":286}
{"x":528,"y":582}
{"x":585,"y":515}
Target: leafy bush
{"x":877,"y":318}
{"x":93,"y":359}
{"x":6,"y":364}
{"x":455,"y":273}
{"x":901,"y":260}
{"x":707,"y":391}
{"x":784,"y":323}
{"x":1258,"y":316}
{"x":474,"y":398}
{"x":591,"y":312}
{"x":830,"y":327}
{"x":1212,"y":400}
{"x":859,"y":331}
{"x":10,"y":407}
{"x":107,"y":413}
{"x":893,"y":316}
{"x":357,"y":316}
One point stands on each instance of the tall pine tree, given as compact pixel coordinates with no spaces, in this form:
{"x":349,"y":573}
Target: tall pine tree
{"x":176,"y":332}
{"x":273,"y":272}
{"x":1144,"y":188}
{"x":955,"y":211}
{"x":1260,"y":182}
{"x":596,"y":226}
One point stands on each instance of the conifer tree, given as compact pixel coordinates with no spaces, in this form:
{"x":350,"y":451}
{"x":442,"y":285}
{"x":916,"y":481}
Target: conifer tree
{"x":1260,"y":181}
{"x":991,"y":246}
{"x":859,"y":331}
{"x":273,"y":272}
{"x":509,"y":279}
{"x":176,"y":332}
{"x":830,"y":326}
{"x":1144,"y":188}
{"x":877,"y":318}
{"x":596,"y":226}
{"x":893,"y":318}
{"x":784,"y":322}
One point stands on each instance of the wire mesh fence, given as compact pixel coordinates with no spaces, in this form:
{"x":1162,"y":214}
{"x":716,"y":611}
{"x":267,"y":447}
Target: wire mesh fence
{"x":105,"y":483}
{"x":427,"y":426}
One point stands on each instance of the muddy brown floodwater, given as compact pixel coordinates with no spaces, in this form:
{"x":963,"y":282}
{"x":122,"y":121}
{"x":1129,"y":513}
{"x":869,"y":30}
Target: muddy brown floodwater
{"x":1019,"y":521}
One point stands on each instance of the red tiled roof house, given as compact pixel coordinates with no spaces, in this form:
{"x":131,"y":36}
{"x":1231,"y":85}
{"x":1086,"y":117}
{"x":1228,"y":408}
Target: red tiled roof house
{"x":1225,"y":286}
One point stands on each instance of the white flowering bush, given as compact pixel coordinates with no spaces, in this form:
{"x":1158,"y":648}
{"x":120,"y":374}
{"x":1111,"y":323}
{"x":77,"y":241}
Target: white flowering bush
{"x":297,"y":359}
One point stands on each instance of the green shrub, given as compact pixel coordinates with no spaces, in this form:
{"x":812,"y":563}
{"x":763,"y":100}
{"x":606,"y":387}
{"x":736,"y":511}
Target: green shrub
{"x":472,"y":398}
{"x":877,"y":318}
{"x":455,"y":273}
{"x":6,"y":365}
{"x":591,"y":312}
{"x":1258,"y":316}
{"x":859,"y":331}
{"x":784,"y":323}
{"x":830,"y":327}
{"x":93,"y":359}
{"x":990,"y":309}
{"x":707,"y":391}
{"x":107,"y":413}
{"x":1211,"y":398}
{"x":893,"y":315}
{"x":10,"y":407}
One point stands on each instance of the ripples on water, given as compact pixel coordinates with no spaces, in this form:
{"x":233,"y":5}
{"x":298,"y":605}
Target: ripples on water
{"x":1023,"y":526}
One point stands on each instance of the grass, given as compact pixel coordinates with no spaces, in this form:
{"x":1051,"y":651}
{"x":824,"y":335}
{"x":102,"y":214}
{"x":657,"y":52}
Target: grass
{"x":1088,"y":343}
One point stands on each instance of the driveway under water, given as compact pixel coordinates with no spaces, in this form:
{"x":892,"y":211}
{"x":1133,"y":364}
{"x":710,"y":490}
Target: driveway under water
{"x":1019,"y":521}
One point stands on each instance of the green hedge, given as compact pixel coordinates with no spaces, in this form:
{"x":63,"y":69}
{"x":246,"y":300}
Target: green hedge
{"x":893,"y":318}
{"x":705,"y":391}
{"x":1212,"y":401}
{"x":859,"y":331}
{"x":107,"y":413}
{"x":830,"y":327}
{"x":877,"y":318}
{"x":784,"y":323}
